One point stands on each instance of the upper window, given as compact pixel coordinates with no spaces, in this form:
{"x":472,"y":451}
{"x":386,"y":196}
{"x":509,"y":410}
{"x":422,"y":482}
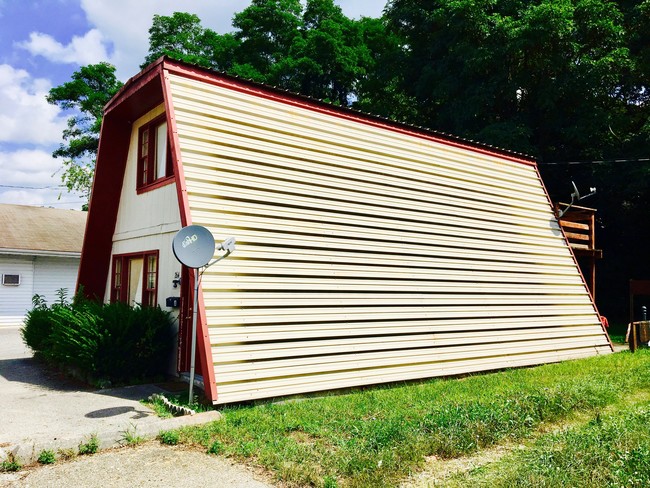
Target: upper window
{"x":154,"y":153}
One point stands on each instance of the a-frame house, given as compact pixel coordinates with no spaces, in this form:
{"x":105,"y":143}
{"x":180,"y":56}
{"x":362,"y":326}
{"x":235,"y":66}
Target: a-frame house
{"x":367,"y":251}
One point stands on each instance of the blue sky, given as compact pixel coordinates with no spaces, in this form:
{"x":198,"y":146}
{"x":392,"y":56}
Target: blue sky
{"x":42,"y":42}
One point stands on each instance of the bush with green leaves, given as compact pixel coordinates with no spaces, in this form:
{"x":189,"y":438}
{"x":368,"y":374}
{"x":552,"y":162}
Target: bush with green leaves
{"x":134,"y":342}
{"x":38,"y":325}
{"x":114,"y":342}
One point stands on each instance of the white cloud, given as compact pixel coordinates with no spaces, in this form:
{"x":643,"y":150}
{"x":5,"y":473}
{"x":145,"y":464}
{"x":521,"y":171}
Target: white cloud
{"x":41,"y":198}
{"x":30,"y":177}
{"x":26,"y":117}
{"x":88,"y":49}
{"x":28,"y":167}
{"x":131,"y":39}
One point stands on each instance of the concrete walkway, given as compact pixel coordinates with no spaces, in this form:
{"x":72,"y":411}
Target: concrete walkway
{"x":41,"y":410}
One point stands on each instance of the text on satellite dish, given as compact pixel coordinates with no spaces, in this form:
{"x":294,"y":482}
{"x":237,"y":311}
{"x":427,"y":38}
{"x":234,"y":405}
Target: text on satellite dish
{"x":189,"y":240}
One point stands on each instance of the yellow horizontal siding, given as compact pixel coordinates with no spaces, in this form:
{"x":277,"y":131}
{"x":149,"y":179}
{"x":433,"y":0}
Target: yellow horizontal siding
{"x":242,"y":391}
{"x":228,"y":353}
{"x":324,"y":363}
{"x":229,"y":334}
{"x":365,"y":255}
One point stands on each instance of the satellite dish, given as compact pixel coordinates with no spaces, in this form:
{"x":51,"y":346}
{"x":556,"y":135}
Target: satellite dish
{"x":194,"y":246}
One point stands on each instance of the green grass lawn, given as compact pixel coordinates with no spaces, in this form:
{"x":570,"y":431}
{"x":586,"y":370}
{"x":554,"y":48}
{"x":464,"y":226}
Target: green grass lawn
{"x":378,"y":436}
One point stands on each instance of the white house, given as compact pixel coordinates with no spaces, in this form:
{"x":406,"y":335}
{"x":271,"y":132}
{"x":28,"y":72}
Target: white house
{"x":40,"y":249}
{"x":367,"y":251}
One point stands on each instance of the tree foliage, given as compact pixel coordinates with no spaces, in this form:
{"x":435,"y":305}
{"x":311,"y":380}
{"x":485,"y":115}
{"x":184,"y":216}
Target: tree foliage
{"x":86,"y":94}
{"x":544,"y":77}
{"x":314,"y":50}
{"x":562,"y":80}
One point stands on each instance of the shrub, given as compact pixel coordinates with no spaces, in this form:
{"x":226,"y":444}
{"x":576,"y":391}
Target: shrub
{"x":114,"y":342}
{"x":75,"y":337}
{"x":37,"y":328}
{"x":135,"y":341}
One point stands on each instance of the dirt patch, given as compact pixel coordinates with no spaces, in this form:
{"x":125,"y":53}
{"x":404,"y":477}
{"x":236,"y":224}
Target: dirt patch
{"x":151,"y":465}
{"x":437,"y":470}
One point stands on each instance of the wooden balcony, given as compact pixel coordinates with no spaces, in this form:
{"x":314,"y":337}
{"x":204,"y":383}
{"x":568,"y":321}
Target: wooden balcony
{"x":579,"y":225}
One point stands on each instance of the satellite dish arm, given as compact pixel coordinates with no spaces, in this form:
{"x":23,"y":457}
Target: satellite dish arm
{"x":228,"y":245}
{"x":575,"y":197}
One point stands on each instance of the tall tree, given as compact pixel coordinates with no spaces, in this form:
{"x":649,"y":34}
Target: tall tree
{"x":380,"y":90}
{"x":538,"y":76}
{"x":181,"y":36}
{"x":315,"y":50}
{"x":86,"y":94}
{"x":267,"y":29}
{"x":332,"y":53}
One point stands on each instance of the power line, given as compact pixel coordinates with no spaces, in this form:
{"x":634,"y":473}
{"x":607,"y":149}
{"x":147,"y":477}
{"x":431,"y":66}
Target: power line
{"x":32,"y":187}
{"x":601,"y":161}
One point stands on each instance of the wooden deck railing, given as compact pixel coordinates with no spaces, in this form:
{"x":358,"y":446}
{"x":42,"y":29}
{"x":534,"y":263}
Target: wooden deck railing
{"x":579,"y":225}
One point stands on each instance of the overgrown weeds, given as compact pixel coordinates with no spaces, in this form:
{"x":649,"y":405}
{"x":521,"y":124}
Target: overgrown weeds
{"x":46,"y":457}
{"x":609,"y":450}
{"x":10,"y":465}
{"x":90,"y":447}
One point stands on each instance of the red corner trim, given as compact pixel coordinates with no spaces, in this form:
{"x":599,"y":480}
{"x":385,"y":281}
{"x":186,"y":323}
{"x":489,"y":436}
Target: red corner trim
{"x":205,"y":351}
{"x":205,"y":358}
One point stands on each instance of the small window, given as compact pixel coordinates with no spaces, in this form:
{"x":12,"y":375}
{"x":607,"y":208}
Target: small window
{"x":150,"y":280}
{"x":11,"y":279}
{"x":135,"y":278}
{"x":154,"y":153}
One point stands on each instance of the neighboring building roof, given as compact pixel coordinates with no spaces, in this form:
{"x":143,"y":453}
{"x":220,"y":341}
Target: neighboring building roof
{"x":27,"y":229}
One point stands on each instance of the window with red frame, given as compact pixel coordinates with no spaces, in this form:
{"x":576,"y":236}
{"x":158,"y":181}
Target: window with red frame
{"x":154,"y":153}
{"x":135,"y":278}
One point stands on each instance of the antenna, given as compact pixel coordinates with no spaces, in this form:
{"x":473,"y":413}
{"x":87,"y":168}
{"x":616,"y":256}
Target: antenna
{"x":575,"y":197}
{"x":194,"y":247}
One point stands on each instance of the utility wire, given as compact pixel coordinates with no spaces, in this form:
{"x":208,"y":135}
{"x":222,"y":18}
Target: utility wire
{"x":32,"y":187}
{"x":603,"y":161}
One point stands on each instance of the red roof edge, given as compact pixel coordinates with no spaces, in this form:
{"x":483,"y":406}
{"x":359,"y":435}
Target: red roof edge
{"x":115,"y":136}
{"x":273,"y":93}
{"x":103,"y":207}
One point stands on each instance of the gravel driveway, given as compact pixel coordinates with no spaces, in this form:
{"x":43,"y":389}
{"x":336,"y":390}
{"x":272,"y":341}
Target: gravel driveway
{"x":148,"y":465}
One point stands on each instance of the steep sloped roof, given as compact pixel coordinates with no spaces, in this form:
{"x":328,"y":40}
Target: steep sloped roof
{"x":26,"y":228}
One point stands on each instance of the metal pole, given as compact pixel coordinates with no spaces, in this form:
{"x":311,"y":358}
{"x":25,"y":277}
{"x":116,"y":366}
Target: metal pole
{"x":194,"y":315}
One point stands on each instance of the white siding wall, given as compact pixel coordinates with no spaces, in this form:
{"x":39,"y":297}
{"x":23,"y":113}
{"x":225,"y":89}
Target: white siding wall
{"x":15,"y":301}
{"x":43,"y":275}
{"x":53,"y":273}
{"x":148,"y":221}
{"x":365,"y":255}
